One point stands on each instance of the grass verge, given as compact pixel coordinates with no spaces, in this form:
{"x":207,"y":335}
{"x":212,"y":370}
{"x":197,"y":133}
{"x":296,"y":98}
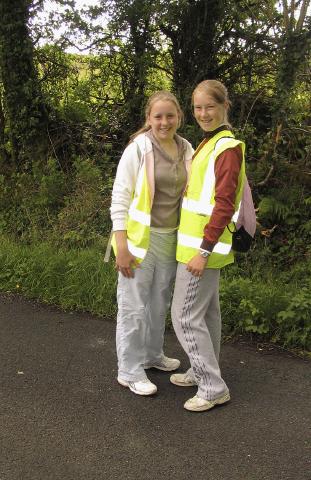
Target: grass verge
{"x":273,"y":308}
{"x":74,"y":279}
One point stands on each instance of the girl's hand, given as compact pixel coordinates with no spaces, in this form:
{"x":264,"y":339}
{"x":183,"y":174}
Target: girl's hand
{"x":126,"y":262}
{"x":197,"y":265}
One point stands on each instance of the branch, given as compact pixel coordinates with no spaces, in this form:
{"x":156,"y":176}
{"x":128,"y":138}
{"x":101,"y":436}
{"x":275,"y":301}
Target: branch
{"x":285,"y":14}
{"x":163,"y":69}
{"x":302,"y":15}
{"x":292,"y":15}
{"x":297,"y":128}
{"x":64,"y":41}
{"x":252,"y":106}
{"x":265,"y":180}
{"x":267,"y":233}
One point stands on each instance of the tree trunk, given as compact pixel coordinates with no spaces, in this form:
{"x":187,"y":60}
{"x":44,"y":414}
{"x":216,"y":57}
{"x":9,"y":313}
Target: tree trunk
{"x":25,"y":110}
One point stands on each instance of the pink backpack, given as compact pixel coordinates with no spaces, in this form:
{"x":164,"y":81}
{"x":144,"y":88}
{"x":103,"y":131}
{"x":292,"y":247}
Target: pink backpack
{"x":245,"y":226}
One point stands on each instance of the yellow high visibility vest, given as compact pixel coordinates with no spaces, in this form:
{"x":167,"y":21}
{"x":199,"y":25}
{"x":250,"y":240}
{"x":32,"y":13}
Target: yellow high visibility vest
{"x":139,"y":214}
{"x":199,"y":201}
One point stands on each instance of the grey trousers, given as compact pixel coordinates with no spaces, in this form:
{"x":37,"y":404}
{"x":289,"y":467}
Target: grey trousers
{"x":197,"y":322}
{"x":143,"y":303}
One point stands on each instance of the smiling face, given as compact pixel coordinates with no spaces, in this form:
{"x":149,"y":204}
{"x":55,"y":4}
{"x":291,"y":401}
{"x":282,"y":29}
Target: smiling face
{"x":163,"y":120}
{"x":208,"y":112}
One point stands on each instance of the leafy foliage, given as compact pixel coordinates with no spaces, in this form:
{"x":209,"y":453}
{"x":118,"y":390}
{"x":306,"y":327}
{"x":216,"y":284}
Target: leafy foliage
{"x":85,"y":215}
{"x":294,"y":321}
{"x":268,"y":310}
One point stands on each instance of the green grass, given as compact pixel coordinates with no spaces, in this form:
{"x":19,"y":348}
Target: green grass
{"x":74,"y":279}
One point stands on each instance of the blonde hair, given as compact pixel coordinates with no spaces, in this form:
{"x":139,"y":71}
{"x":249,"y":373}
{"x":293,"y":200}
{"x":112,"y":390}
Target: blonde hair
{"x":217,"y":91}
{"x":164,"y":96}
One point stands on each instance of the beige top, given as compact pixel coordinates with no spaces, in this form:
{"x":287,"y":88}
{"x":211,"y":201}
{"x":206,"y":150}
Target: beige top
{"x":170,"y":182}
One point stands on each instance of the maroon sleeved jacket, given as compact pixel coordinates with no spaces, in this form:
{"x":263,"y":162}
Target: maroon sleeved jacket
{"x":227,"y":170}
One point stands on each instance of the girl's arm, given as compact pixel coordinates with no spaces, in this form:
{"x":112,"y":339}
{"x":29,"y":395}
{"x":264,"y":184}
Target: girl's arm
{"x":123,"y":187}
{"x":122,"y":195}
{"x":227,"y":170}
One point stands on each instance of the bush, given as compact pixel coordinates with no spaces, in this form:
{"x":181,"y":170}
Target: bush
{"x":294,"y":322}
{"x":67,"y":209}
{"x":85,"y":216}
{"x":250,"y":306}
{"x":262,"y":306}
{"x":29,"y":202}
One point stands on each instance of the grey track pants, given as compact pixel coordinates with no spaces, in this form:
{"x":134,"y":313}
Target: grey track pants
{"x":197,"y":323}
{"x":143,"y":303}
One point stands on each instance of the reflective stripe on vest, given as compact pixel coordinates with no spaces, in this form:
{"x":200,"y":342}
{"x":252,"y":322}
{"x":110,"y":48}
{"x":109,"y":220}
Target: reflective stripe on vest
{"x":138,"y":215}
{"x":195,"y":242}
{"x":202,"y":208}
{"x":136,"y":251}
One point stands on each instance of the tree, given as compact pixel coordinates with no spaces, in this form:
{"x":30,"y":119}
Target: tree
{"x":25,"y":110}
{"x":294,"y":47}
{"x":293,"y":42}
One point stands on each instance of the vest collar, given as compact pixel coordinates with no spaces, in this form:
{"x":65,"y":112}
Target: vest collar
{"x":215,"y":135}
{"x":209,"y":135}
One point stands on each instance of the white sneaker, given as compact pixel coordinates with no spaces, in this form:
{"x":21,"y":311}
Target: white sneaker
{"x":198,"y":404}
{"x":182,"y":380}
{"x":166,"y":364}
{"x":143,"y":387}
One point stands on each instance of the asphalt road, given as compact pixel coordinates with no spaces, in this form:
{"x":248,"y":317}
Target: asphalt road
{"x":64,"y":416}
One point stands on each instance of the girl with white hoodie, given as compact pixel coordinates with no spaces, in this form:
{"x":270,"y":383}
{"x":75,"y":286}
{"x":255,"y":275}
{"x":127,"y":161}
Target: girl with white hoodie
{"x":145,"y":209}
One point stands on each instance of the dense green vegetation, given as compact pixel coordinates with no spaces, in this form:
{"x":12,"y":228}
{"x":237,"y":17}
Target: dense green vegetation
{"x":65,"y":118}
